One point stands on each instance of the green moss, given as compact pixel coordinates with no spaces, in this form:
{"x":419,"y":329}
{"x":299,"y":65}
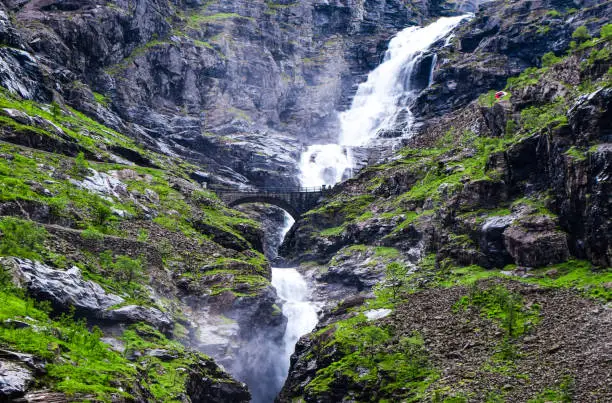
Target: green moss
{"x":101,"y":99}
{"x":576,"y":154}
{"x":335,"y":231}
{"x":376,"y":362}
{"x":21,"y":238}
{"x":505,"y":307}
{"x":546,"y":116}
{"x":386,"y":252}
{"x":562,"y":392}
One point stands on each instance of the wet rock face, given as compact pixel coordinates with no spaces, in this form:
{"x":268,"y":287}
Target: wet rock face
{"x":221,"y":83}
{"x":66,"y":289}
{"x":14,"y":380}
{"x":201,"y":388}
{"x":536,"y":242}
{"x":501,"y":41}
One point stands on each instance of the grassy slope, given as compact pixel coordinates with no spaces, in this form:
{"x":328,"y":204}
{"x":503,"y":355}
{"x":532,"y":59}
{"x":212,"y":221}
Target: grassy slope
{"x":127,"y":231}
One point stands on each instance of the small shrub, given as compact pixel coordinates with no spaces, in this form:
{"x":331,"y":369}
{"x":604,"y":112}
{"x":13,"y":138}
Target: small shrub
{"x":92,"y":233}
{"x":553,"y":13}
{"x":606,"y":32}
{"x":101,"y":213}
{"x":128,"y":269}
{"x":511,"y":127}
{"x":549,"y":59}
{"x":396,"y":275}
{"x":56,"y":111}
{"x":581,"y":34}
{"x":487,"y":99}
{"x":143,"y":235}
{"x":81,"y":166}
{"x":549,"y":115}
{"x":21,"y":238}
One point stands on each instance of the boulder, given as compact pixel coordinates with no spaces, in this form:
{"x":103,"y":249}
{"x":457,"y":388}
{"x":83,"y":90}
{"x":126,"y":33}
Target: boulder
{"x":492,"y":240}
{"x":535,"y":241}
{"x":62,"y":288}
{"x":15,"y":379}
{"x":65,"y":289}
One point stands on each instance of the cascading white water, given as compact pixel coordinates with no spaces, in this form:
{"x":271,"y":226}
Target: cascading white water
{"x":301,"y":313}
{"x":381,"y":103}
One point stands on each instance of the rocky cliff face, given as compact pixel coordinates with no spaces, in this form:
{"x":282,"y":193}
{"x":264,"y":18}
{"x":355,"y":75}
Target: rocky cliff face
{"x":234,"y":86}
{"x":494,"y":209}
{"x":119,"y":268}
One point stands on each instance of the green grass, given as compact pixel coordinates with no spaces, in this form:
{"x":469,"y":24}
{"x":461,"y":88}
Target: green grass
{"x":21,"y":238}
{"x":81,"y":365}
{"x":374,"y":361}
{"x":503,"y":306}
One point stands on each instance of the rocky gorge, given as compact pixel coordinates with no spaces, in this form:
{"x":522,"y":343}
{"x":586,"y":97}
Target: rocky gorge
{"x":467,"y":257}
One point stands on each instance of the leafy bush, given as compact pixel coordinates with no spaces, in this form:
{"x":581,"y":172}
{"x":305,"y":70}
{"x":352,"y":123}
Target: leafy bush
{"x":123,"y":268}
{"x":81,"y":166}
{"x":581,"y":34}
{"x":553,"y":13}
{"x":487,"y":99}
{"x":549,"y":59}
{"x":606,"y":32}
{"x":101,"y":213}
{"x":548,"y":115}
{"x":21,"y":238}
{"x":396,"y":273}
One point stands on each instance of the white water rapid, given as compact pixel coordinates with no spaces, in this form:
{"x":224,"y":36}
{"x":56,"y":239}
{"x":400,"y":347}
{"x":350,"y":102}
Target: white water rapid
{"x":300,"y":311}
{"x":381,"y":103}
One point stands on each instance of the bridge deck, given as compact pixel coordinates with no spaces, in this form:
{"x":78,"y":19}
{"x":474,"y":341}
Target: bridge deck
{"x":296,"y":200}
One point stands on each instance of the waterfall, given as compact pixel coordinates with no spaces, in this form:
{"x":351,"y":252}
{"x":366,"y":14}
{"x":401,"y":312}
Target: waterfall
{"x":434,"y":62}
{"x":301,"y":313}
{"x":381,"y":105}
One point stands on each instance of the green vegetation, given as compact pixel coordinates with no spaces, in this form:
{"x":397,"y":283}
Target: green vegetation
{"x":395,"y":275}
{"x":562,"y":392}
{"x":488,"y":99}
{"x":549,"y":59}
{"x":546,"y":116}
{"x":606,"y":32}
{"x":21,"y":238}
{"x":80,"y":364}
{"x":375,"y":360}
{"x":581,"y":34}
{"x":503,"y":306}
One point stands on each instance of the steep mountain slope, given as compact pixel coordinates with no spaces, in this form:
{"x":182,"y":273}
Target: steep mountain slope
{"x":475,"y":265}
{"x":135,"y":249}
{"x":236,"y":86}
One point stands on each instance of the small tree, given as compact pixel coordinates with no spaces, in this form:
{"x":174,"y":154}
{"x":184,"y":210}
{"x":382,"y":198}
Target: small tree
{"x":606,"y":31}
{"x":81,"y":166}
{"x":55,"y":110}
{"x":128,"y":269}
{"x":396,"y":274}
{"x":101,"y":213}
{"x":581,"y":34}
{"x":549,"y":59}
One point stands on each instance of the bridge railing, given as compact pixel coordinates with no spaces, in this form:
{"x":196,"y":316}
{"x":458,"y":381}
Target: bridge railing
{"x":297,"y":189}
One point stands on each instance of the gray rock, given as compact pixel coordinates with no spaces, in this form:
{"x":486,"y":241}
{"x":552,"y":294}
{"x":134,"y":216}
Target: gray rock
{"x":164,"y":355}
{"x":492,"y":240}
{"x":534,"y":241}
{"x":68,"y":288}
{"x":137,"y":313}
{"x":62,"y":288}
{"x":15,"y":379}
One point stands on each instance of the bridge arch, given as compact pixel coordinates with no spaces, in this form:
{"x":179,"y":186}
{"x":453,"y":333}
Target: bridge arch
{"x":275,"y":201}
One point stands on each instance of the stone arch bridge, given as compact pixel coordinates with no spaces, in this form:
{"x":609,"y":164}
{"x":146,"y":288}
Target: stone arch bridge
{"x":295,"y":201}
